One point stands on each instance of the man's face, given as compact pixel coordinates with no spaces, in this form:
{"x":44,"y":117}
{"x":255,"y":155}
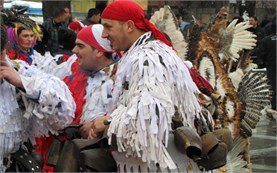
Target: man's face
{"x":63,"y":17}
{"x":253,"y":22}
{"x":180,"y":20}
{"x":67,"y":13}
{"x":96,"y":18}
{"x":116,"y":32}
{"x":88,"y":57}
{"x":26,"y":39}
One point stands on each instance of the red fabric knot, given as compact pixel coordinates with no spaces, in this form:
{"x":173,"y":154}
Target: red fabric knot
{"x":129,"y":10}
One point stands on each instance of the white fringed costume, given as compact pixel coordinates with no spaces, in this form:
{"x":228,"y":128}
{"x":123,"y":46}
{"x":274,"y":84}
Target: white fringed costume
{"x":151,"y":80}
{"x":49,"y":107}
{"x":96,"y":97}
{"x":98,"y":89}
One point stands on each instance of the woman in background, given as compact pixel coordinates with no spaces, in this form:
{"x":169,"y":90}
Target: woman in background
{"x":22,"y":37}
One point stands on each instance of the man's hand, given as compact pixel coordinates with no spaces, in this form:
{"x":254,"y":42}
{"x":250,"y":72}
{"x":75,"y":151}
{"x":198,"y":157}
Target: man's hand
{"x":10,"y":75}
{"x":91,"y":134}
{"x":86,"y":130}
{"x":98,"y":124}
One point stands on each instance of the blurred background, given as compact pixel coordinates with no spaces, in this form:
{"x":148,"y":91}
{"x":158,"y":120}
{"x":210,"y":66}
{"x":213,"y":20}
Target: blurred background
{"x":202,"y":10}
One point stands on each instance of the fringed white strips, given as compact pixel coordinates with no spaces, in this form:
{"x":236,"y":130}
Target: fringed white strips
{"x":49,"y":65}
{"x":16,"y":128}
{"x":145,"y":93}
{"x":9,"y":142}
{"x":54,"y":106}
{"x":8,"y":102}
{"x":96,"y":100}
{"x":191,"y":105}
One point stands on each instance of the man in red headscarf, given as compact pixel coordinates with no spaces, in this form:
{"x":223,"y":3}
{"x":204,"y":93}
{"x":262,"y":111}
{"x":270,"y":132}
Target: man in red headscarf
{"x":152,"y":85}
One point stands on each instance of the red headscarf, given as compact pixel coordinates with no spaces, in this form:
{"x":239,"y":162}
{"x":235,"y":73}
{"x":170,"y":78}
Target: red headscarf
{"x":129,"y":10}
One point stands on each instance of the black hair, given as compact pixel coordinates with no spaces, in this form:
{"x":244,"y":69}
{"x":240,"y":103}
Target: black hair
{"x":254,"y":17}
{"x":40,"y":46}
{"x":179,"y":15}
{"x":20,"y":29}
{"x":3,"y":37}
{"x":108,"y":55}
{"x":93,"y":11}
{"x":58,"y":11}
{"x":67,"y":38}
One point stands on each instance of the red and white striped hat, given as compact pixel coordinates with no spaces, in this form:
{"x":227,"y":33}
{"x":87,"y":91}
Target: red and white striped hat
{"x":91,"y":35}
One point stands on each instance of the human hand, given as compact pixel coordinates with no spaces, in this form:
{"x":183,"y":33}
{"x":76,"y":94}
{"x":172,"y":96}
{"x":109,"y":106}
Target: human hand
{"x":10,"y":75}
{"x":86,"y":130}
{"x":2,"y":56}
{"x":92,"y":135}
{"x":98,"y":125}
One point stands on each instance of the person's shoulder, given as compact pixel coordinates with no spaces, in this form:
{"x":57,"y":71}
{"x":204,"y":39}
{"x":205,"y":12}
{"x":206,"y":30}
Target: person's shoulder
{"x":152,"y":42}
{"x":154,"y":47}
{"x":183,"y":25}
{"x":47,"y":23}
{"x":269,"y":38}
{"x":260,"y":30}
{"x":48,"y":20}
{"x":86,"y":22}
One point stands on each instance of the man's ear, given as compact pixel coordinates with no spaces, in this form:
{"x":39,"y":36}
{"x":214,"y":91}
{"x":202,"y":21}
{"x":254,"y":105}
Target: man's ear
{"x":130,"y":26}
{"x":99,"y":54}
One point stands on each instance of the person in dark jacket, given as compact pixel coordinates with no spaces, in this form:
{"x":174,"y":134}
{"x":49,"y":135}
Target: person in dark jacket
{"x":257,"y":30}
{"x":41,"y":45}
{"x":52,"y":26}
{"x":93,"y":17}
{"x":267,"y":53}
{"x":67,"y":39}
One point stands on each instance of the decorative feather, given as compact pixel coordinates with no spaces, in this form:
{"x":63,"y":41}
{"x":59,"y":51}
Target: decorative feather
{"x":166,"y":21}
{"x":245,"y":95}
{"x":194,"y":38}
{"x":235,"y":162}
{"x":235,"y":38}
{"x":207,"y":70}
{"x":236,"y":77}
{"x":211,"y":48}
{"x":255,"y":94}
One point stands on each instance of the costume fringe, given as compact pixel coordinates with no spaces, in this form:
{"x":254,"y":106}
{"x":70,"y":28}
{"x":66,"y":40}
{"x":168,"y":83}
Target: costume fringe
{"x":145,"y":93}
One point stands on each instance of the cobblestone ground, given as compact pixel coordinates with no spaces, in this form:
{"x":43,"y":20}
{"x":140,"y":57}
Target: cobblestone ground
{"x":263,"y":148}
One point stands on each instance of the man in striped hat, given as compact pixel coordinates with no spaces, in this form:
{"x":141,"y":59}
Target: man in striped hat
{"x":91,"y":69}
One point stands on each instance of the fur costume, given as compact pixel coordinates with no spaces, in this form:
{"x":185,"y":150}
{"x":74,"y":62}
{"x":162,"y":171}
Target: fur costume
{"x":214,"y":50}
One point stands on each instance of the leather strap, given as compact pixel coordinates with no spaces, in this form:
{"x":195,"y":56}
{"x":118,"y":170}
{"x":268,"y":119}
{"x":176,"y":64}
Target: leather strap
{"x":24,"y":158}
